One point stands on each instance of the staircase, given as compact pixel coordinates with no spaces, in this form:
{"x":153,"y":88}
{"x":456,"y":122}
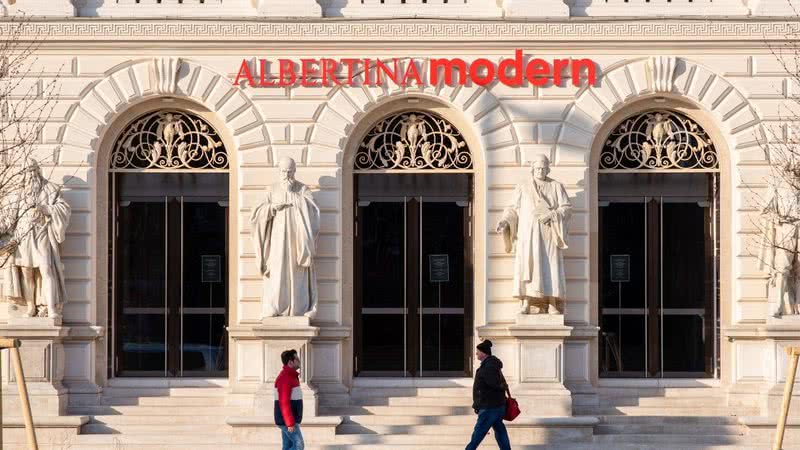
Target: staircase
{"x":406,"y":414}
{"x":690,"y":418}
{"x":151,"y":413}
{"x":391,"y":414}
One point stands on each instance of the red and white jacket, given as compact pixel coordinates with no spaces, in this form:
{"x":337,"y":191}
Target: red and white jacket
{"x":288,"y":398}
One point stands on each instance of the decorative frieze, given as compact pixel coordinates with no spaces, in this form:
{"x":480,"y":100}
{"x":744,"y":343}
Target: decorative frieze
{"x":174,"y":30}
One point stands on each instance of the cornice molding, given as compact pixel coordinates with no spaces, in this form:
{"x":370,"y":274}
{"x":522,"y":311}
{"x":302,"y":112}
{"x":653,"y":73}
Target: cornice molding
{"x":404,"y":30}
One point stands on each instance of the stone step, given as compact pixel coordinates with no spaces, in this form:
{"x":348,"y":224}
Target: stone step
{"x":412,"y":401}
{"x":660,"y":392}
{"x":160,"y":429}
{"x":671,"y":439}
{"x":165,"y":392}
{"x":687,"y":420}
{"x":133,"y":439}
{"x":409,"y":420}
{"x":411,"y":392}
{"x":133,"y":410}
{"x":399,"y":410}
{"x":213,"y":401}
{"x":464,"y":429}
{"x":699,"y":410}
{"x":662,"y":428}
{"x":151,"y":382}
{"x":131,"y":419}
{"x":664,"y":402}
{"x":420,"y":383}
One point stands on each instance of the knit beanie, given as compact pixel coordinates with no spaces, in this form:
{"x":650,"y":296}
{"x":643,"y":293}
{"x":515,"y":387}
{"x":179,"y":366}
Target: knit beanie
{"x":485,"y":347}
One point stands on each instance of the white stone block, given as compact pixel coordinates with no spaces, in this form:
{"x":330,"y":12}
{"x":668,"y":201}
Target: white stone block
{"x":326,"y":137}
{"x":638,"y":72}
{"x":526,"y":132}
{"x":329,"y":291}
{"x":491,"y":121}
{"x":249,"y":361}
{"x":327,"y":362}
{"x":577,"y":362}
{"x":296,"y":152}
{"x":774,"y":7}
{"x":750,"y":364}
{"x":244,"y":121}
{"x":300,"y":132}
{"x":536,"y":110}
{"x":504,"y":156}
{"x":78,"y":359}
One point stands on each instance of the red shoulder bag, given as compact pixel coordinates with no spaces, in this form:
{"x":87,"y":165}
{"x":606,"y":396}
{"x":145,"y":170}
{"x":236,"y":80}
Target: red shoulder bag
{"x":512,"y":407}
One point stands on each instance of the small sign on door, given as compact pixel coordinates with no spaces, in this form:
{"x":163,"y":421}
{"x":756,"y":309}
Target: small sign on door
{"x":439,"y":268}
{"x":211,"y":268}
{"x":620,"y":268}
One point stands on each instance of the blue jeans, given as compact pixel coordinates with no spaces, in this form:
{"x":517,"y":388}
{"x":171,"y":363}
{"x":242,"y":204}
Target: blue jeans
{"x":292,"y":441}
{"x":490,"y":418}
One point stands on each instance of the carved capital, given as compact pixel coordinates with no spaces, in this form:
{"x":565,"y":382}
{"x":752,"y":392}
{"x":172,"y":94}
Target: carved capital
{"x":166,"y":74}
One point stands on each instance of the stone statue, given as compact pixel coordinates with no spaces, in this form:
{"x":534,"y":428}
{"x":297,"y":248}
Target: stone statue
{"x":285,"y":228}
{"x":778,"y":252}
{"x":33,"y":222}
{"x":534,"y":227}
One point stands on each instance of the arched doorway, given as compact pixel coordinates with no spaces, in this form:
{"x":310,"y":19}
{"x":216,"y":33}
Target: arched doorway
{"x":168,"y":183}
{"x":413,"y":281}
{"x":658,"y":198}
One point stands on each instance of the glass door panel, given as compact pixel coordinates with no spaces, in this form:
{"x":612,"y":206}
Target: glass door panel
{"x":442,"y":289}
{"x":141,"y":287}
{"x":383,"y":310}
{"x":684,"y":261}
{"x":204,"y":296}
{"x":624,"y":335}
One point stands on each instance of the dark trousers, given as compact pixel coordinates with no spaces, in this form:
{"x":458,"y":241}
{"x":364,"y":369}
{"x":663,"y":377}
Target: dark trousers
{"x":490,"y":418}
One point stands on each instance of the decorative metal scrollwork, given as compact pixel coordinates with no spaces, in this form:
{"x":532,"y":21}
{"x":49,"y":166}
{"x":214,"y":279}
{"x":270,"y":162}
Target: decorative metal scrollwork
{"x":413,"y":140}
{"x":169,"y":139}
{"x":659,"y":140}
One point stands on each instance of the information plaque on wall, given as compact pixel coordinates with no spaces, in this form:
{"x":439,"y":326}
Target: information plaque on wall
{"x":211,"y":268}
{"x":439,"y":268}
{"x":620,"y":268}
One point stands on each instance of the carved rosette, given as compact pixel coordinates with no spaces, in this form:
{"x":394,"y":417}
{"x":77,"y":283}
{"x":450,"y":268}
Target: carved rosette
{"x":169,"y":139}
{"x":413,"y":140}
{"x":659,"y":140}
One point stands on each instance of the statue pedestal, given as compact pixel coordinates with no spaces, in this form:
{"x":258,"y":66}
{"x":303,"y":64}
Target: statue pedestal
{"x":536,"y":373}
{"x":278,"y":334}
{"x":42,"y":355}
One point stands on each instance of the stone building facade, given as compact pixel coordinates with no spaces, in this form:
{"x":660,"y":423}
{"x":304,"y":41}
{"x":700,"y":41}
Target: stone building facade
{"x":663,"y":282}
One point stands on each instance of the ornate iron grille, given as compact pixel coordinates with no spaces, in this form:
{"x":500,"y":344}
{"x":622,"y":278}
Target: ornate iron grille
{"x":412,"y":141}
{"x":659,"y":140}
{"x":169,"y":139}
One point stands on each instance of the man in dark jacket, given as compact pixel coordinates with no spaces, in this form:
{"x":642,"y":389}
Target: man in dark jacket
{"x":489,"y":399}
{"x":289,"y":402}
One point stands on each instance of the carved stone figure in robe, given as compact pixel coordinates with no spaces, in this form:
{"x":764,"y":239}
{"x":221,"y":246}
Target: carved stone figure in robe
{"x":778,"y":252}
{"x":33,"y":222}
{"x":534,"y":227}
{"x":285,"y":229}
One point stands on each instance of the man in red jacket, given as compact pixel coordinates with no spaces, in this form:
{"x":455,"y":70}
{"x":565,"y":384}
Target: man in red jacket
{"x":289,"y":402}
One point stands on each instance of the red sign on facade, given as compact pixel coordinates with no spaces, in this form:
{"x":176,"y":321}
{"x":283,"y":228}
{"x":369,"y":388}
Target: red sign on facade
{"x":517,"y":71}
